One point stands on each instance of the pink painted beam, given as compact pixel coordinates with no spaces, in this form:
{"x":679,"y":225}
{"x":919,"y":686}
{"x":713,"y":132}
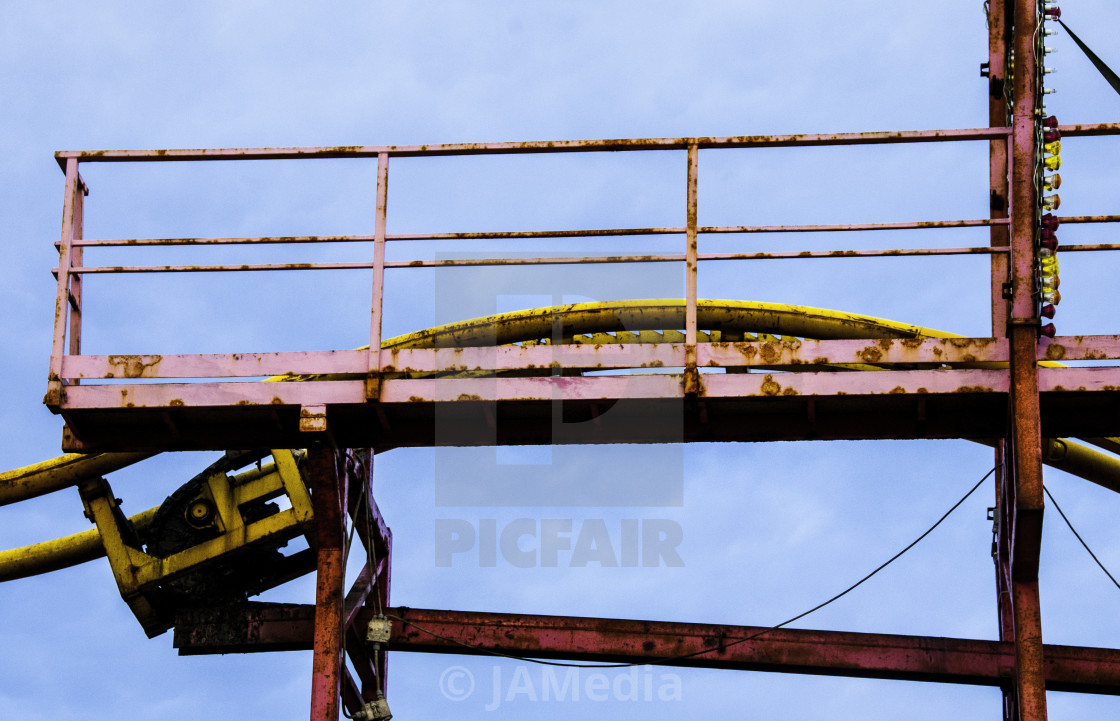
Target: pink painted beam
{"x":1078,"y":379}
{"x":171,"y":395}
{"x":213,"y":365}
{"x":1079,"y":347}
{"x":714,"y":385}
{"x":792,"y":352}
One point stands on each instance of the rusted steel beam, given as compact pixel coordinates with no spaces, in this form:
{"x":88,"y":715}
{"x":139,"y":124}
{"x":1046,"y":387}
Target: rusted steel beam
{"x":327,"y":500}
{"x":548,"y":146}
{"x":269,"y":627}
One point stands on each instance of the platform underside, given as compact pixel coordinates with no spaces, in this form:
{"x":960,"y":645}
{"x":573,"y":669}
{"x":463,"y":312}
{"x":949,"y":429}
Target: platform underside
{"x":384,"y":425}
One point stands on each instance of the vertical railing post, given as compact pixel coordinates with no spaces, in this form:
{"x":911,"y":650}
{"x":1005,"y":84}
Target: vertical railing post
{"x":691,"y":375}
{"x":999,"y":40}
{"x":71,"y":229}
{"x":373,"y":375}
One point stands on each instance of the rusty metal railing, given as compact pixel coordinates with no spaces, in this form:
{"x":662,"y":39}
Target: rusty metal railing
{"x":71,"y":270}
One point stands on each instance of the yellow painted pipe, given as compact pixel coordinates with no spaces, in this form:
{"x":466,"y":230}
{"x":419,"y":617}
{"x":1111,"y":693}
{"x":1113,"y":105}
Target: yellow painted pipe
{"x":62,"y":472}
{"x":61,"y":552}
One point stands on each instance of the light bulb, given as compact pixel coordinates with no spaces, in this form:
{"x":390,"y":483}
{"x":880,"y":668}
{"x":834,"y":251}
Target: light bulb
{"x":1054,"y":162}
{"x":1052,"y":182}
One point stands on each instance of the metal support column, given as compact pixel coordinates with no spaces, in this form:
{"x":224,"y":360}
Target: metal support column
{"x":327,"y":499}
{"x":1025,"y":461}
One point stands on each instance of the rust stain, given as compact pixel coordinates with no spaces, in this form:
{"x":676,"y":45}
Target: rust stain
{"x":133,"y":366}
{"x":276,"y":401}
{"x":923,"y":389}
{"x":1055,"y":351}
{"x":469,"y":397}
{"x":870,"y":354}
{"x":912,"y":343}
{"x":771,"y":353}
{"x":820,"y":360}
{"x":973,"y":389}
{"x":897,"y":389}
{"x":770,"y":387}
{"x":790,"y":392}
{"x":415,"y":399}
{"x":176,"y":402}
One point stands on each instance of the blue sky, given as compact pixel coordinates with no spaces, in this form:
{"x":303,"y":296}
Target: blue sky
{"x":768,"y":530}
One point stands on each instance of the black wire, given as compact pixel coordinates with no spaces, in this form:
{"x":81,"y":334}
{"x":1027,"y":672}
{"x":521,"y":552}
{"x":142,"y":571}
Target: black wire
{"x":722,"y":646}
{"x":1075,"y":533}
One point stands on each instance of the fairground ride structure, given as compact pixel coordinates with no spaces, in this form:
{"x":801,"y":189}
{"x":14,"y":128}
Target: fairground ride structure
{"x":678,"y":370}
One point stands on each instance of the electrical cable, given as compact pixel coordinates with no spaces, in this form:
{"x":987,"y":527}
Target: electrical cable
{"x":1105,"y":71}
{"x":662,"y":661}
{"x":1079,"y":538}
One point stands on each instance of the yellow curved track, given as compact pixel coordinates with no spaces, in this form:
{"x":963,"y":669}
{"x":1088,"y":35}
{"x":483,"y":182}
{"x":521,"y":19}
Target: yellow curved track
{"x":647,"y":321}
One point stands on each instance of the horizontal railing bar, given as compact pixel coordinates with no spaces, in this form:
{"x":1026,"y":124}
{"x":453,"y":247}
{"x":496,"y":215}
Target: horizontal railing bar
{"x":464,"y":262}
{"x":264,"y":240}
{"x":1088,"y":129}
{"x":501,"y":234}
{"x":550,"y":146}
{"x":1088,"y":246}
{"x":586,"y":233}
{"x":560,"y":260}
{"x":874,"y":253}
{"x":787,"y":352}
{"x":838,"y":227}
{"x":1089,"y":218}
{"x":86,"y":270}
